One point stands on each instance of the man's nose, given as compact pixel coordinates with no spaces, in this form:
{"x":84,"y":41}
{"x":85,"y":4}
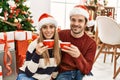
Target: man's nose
{"x":76,"y":23}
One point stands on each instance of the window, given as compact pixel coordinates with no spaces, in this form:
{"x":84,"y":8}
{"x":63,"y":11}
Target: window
{"x":115,"y":3}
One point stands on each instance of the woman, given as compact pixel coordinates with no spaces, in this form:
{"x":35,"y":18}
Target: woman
{"x":41,"y":62}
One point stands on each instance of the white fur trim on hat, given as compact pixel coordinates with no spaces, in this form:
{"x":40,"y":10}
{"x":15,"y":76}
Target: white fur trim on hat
{"x":46,"y":21}
{"x":80,"y":11}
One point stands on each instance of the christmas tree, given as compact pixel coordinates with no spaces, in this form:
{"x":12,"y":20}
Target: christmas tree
{"x":15,"y":15}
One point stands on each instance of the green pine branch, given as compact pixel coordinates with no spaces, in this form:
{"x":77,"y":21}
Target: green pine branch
{"x":22,"y":15}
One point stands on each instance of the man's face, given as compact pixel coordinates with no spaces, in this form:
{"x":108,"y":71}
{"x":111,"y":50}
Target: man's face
{"x":77,"y":24}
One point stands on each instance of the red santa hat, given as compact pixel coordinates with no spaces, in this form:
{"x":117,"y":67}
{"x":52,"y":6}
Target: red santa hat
{"x":82,"y":10}
{"x":45,"y":19}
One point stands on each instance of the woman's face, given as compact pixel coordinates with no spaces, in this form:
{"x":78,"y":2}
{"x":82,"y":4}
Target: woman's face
{"x":48,"y":30}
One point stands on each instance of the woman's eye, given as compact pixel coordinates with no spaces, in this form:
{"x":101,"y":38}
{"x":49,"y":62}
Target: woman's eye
{"x":51,"y":26}
{"x":44,"y":27}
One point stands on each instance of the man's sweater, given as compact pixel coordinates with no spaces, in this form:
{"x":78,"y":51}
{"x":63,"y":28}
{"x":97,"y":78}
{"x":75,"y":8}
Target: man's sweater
{"x":87,"y":47}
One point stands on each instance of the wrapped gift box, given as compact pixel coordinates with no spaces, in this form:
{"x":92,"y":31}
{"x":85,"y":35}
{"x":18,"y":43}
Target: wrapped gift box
{"x":21,"y":48}
{"x":1,"y":78}
{"x":13,"y":75}
{"x":7,"y":37}
{"x":22,"y":40}
{"x":23,"y":35}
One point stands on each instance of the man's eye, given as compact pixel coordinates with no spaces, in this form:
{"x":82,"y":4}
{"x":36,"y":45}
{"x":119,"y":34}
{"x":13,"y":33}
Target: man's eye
{"x":80,"y":20}
{"x":73,"y":20}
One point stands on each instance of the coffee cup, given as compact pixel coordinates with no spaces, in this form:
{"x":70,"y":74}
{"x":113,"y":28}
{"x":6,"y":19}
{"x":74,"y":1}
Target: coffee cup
{"x":49,"y":43}
{"x":62,"y":44}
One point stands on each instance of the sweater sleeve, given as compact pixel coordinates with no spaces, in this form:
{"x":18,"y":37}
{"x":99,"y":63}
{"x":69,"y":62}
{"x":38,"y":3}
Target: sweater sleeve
{"x":32,"y":65}
{"x":85,"y":63}
{"x":32,"y":60}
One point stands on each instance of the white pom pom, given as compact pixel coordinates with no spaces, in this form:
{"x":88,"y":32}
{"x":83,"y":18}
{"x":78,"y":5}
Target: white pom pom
{"x":91,"y":23}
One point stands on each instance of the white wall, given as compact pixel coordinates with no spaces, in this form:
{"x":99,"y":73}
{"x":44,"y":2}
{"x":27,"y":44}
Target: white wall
{"x":38,"y":7}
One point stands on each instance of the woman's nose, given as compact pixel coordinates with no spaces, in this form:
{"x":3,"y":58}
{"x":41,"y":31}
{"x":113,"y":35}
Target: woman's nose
{"x":48,"y":29}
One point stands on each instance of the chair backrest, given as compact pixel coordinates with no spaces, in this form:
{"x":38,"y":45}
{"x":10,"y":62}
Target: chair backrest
{"x":108,"y":30}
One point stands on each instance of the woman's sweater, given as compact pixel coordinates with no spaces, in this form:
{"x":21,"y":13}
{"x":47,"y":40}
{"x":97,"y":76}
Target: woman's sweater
{"x":34,"y":65}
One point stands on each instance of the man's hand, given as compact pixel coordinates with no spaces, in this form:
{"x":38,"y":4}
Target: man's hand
{"x":72,"y":50}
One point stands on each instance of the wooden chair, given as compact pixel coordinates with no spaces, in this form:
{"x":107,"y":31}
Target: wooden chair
{"x":108,"y":32}
{"x":109,"y":12}
{"x":118,"y":71}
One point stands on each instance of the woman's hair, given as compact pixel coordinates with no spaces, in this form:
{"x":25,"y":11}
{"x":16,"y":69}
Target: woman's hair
{"x":56,"y":49}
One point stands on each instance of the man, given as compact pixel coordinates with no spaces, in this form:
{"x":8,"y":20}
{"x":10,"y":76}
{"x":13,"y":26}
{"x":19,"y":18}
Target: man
{"x":78,"y":59}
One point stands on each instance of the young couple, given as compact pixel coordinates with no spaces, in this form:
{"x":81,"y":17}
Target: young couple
{"x":72,"y":63}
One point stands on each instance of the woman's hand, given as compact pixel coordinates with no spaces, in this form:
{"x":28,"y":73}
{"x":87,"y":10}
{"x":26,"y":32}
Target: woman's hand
{"x":40,"y":48}
{"x":72,"y":50}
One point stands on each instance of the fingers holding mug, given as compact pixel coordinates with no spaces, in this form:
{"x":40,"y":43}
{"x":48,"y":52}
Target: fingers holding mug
{"x":40,"y":48}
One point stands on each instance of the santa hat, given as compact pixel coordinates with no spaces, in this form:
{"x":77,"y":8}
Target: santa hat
{"x":82,"y":10}
{"x":45,"y":19}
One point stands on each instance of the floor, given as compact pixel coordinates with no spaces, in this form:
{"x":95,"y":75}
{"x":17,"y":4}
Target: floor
{"x":104,"y":71}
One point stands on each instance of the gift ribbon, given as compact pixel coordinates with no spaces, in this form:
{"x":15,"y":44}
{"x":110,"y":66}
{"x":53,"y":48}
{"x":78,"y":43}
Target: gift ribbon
{"x":7,"y":55}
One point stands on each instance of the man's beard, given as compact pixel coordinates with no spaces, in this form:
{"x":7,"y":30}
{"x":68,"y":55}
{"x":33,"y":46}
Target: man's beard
{"x":75,"y":31}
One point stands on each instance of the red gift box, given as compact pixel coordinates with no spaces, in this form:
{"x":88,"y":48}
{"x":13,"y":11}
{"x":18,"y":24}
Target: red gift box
{"x":22,"y":40}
